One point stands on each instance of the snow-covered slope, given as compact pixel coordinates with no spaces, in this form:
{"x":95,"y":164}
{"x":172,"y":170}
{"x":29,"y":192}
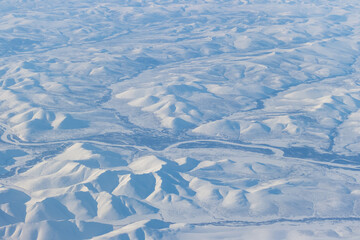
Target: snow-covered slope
{"x":178,"y":119}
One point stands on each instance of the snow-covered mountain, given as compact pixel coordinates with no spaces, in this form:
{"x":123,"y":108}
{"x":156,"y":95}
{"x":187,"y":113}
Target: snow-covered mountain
{"x":174,"y":119}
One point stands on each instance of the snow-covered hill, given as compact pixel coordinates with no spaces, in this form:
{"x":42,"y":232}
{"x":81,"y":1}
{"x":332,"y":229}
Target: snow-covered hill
{"x":174,"y":119}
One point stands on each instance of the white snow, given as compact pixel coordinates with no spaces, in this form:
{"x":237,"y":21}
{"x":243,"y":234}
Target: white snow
{"x":177,"y":119}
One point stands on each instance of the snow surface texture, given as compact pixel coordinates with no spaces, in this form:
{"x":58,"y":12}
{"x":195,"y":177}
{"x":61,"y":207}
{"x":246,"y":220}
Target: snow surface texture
{"x":215,"y":119}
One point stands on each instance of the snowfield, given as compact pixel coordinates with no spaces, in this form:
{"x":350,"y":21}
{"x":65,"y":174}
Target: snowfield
{"x":174,"y":119}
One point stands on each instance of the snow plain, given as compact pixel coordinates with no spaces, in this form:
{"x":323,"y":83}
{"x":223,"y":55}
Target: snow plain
{"x":173,"y":119}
